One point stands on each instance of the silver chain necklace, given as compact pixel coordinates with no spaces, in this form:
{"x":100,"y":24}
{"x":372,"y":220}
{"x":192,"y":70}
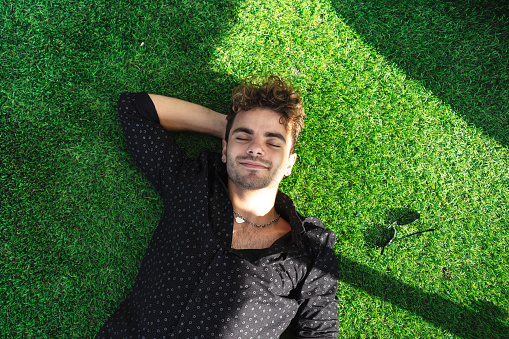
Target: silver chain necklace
{"x":240,"y":219}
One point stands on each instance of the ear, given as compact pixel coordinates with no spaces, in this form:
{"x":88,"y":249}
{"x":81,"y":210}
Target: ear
{"x":291,"y":161}
{"x":224,"y":151}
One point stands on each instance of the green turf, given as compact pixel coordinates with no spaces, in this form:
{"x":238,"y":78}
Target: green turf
{"x":407,"y":105}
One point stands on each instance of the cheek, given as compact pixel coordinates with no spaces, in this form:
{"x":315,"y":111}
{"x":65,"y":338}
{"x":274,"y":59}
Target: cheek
{"x":233,"y":149}
{"x":280,"y":160}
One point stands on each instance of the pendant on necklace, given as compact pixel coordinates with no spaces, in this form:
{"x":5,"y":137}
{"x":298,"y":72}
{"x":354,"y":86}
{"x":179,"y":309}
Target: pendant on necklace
{"x":239,"y":220}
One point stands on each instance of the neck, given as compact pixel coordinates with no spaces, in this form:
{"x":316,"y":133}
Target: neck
{"x":255,"y":205}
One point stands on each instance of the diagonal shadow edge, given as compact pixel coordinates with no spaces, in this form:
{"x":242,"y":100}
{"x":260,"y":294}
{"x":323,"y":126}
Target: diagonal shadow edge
{"x":431,"y":307}
{"x":477,"y":92}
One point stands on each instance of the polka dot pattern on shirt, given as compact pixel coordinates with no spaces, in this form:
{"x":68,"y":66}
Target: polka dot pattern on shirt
{"x":191,"y":284}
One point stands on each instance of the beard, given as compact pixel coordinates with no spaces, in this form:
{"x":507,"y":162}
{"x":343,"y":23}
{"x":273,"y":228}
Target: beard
{"x":253,"y":180}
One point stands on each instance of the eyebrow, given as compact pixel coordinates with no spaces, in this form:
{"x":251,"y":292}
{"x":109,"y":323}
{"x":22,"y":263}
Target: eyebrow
{"x":268,"y":134}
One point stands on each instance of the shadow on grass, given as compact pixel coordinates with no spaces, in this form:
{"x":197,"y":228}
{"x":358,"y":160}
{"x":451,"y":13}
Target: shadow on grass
{"x":457,"y":49}
{"x":482,"y":320}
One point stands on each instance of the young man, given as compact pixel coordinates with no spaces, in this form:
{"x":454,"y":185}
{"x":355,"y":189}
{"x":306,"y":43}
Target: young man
{"x":231,"y":256}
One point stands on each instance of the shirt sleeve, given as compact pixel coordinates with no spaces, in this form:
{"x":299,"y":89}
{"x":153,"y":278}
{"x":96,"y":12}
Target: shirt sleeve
{"x":151,"y":146}
{"x":317,"y":316}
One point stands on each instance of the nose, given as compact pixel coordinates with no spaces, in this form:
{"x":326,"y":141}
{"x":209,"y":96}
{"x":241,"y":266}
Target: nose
{"x":255,"y":148}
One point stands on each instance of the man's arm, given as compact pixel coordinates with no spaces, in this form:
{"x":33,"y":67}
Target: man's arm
{"x":179,"y":115}
{"x":144,"y":120}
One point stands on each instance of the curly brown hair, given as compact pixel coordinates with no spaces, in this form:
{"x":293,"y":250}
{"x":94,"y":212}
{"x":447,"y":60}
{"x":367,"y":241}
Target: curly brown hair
{"x":274,"y":94}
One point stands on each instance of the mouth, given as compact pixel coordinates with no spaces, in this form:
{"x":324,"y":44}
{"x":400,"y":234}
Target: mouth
{"x":253,"y":165}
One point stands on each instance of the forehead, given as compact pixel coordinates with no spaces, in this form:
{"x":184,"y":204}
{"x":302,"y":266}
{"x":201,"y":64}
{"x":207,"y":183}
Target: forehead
{"x":260,"y":120}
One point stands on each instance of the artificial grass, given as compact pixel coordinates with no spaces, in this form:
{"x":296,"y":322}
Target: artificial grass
{"x":407,"y":109}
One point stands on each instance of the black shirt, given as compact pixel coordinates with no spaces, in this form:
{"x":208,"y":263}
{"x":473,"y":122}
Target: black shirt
{"x":191,"y":283}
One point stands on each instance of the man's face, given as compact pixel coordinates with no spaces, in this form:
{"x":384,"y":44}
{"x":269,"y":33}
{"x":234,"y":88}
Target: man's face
{"x":257,"y":153}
